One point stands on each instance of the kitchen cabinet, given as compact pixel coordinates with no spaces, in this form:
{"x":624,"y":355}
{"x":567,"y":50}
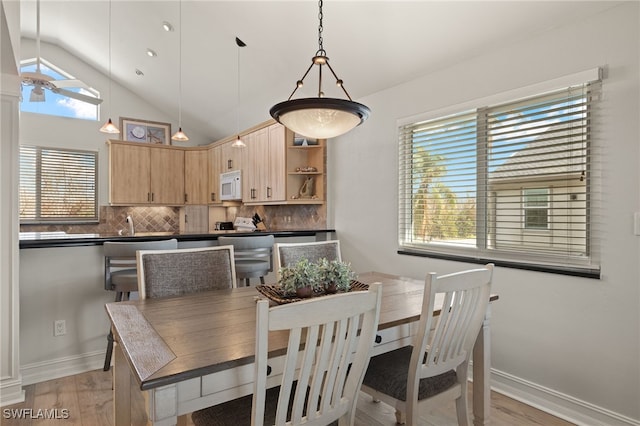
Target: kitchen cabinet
{"x":196,"y":177}
{"x":145,"y":174}
{"x":215,"y":168}
{"x":264,"y":166}
{"x":231,"y":157}
{"x":306,"y":161}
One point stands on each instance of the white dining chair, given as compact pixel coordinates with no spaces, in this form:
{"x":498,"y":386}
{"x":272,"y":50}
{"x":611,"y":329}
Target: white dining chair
{"x":419,"y":378}
{"x":330,"y":340}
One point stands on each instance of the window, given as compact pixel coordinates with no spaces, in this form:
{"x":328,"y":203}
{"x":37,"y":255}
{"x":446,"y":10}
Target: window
{"x":508,"y":183}
{"x":535,"y":205}
{"x":57,"y":185}
{"x":54,"y":103}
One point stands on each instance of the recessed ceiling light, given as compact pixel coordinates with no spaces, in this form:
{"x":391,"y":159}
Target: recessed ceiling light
{"x":138,"y":72}
{"x":151,"y":52}
{"x":167,"y":26}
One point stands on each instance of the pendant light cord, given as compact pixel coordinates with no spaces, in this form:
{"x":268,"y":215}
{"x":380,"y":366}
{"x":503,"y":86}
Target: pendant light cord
{"x":109,"y":32}
{"x":180,"y":69}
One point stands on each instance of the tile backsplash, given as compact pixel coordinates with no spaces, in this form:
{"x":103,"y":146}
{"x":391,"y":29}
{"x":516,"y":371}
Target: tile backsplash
{"x":113,"y":221}
{"x":167,"y":219}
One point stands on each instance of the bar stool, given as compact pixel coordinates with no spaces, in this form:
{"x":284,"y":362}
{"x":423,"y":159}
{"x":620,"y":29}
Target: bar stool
{"x":253,"y":256}
{"x":121,"y":275}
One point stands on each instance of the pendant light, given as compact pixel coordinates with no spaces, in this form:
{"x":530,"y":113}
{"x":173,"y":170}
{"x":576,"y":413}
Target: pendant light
{"x":179,"y":135}
{"x":320,"y":117}
{"x":109,"y":127}
{"x":238,"y":143}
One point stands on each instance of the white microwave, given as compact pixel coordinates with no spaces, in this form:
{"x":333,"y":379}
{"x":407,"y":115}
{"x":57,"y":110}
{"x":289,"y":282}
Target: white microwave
{"x":231,"y":185}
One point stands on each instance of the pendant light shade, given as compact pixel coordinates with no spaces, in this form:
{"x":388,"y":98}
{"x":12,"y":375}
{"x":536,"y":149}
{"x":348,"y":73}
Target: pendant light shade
{"x":180,"y":136}
{"x":109,"y":127}
{"x":320,"y":117}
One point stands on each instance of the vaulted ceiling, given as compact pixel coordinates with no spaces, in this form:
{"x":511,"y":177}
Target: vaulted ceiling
{"x":372,"y":45}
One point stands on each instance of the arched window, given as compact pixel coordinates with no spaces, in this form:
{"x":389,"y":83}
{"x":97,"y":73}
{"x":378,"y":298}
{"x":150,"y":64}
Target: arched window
{"x":48,"y":102}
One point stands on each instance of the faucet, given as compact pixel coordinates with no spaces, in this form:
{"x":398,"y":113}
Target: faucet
{"x":130,"y":222}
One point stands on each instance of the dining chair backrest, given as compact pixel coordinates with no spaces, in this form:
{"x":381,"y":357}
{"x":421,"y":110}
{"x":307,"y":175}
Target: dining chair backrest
{"x":288,"y":254}
{"x":176,"y":272}
{"x":442,"y":347}
{"x":120,"y":262}
{"x":329,"y":346}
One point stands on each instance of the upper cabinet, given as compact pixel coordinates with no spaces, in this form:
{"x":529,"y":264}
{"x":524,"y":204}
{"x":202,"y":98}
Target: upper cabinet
{"x":231,"y":157}
{"x":264,"y":166}
{"x":145,"y":174}
{"x":306,"y":167}
{"x":277,"y":168}
{"x":196,"y":176}
{"x":215,"y":168}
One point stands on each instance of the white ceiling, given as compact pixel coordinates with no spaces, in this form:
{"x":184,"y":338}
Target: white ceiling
{"x":372,"y":45}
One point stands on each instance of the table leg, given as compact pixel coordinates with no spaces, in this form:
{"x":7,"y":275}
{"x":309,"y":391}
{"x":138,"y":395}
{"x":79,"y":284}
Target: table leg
{"x":121,"y":389}
{"x":482,"y":373}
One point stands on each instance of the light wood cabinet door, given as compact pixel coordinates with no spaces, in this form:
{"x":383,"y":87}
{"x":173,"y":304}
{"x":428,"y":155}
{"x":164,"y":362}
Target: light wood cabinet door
{"x":167,"y":176}
{"x":255,"y":165}
{"x":277,"y":172}
{"x":231,"y":157}
{"x":129,"y":174}
{"x":196,"y":177}
{"x":215,"y":168}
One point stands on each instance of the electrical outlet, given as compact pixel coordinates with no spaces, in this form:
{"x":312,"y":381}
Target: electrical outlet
{"x":59,"y":328}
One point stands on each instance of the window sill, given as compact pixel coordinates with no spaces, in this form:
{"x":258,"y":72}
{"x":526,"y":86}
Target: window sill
{"x":562,"y":270}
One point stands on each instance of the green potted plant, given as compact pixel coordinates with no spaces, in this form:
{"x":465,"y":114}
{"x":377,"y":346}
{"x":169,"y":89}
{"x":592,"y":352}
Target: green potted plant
{"x":300,"y":279}
{"x":335,"y":275}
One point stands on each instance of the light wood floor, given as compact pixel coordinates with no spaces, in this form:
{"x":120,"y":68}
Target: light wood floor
{"x":87,"y":398}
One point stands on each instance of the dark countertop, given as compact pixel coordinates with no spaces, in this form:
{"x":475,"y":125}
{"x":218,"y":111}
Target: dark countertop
{"x":61,"y":239}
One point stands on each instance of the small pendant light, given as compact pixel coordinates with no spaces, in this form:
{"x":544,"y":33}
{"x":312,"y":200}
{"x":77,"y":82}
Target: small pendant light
{"x":320,"y":117}
{"x":238,"y":143}
{"x":109,"y":127}
{"x":179,"y":135}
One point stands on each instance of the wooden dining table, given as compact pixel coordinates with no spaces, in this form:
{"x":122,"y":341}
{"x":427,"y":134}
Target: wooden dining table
{"x":190,"y":352}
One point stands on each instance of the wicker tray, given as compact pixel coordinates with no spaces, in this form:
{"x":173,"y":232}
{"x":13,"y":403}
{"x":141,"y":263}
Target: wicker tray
{"x":276,"y":294}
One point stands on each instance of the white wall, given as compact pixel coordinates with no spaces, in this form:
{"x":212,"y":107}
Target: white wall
{"x":571,"y":341}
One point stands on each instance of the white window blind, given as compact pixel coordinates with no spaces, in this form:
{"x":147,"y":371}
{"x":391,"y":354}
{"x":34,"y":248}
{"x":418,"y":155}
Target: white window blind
{"x":508,"y":183}
{"x":57,"y":185}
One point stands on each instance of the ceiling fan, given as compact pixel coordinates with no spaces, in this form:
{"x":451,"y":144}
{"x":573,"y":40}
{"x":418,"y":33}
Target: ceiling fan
{"x":41,"y":81}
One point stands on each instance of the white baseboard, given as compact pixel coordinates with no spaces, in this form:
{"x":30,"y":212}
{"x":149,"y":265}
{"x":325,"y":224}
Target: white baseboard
{"x":556,"y":403}
{"x":61,"y":367}
{"x":11,"y":392}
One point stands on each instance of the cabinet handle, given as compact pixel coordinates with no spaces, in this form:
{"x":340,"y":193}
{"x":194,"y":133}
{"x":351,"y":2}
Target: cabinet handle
{"x":213,"y":196}
{"x":229,"y":164}
{"x":253,"y":193}
{"x":152,"y":197}
{"x":186,"y":197}
{"x":268,"y":192}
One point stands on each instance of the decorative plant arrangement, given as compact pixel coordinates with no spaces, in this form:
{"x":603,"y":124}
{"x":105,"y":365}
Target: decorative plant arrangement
{"x":305,"y":278}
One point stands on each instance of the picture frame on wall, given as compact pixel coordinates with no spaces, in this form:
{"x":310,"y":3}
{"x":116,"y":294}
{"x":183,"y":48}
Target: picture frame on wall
{"x":145,"y":131}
